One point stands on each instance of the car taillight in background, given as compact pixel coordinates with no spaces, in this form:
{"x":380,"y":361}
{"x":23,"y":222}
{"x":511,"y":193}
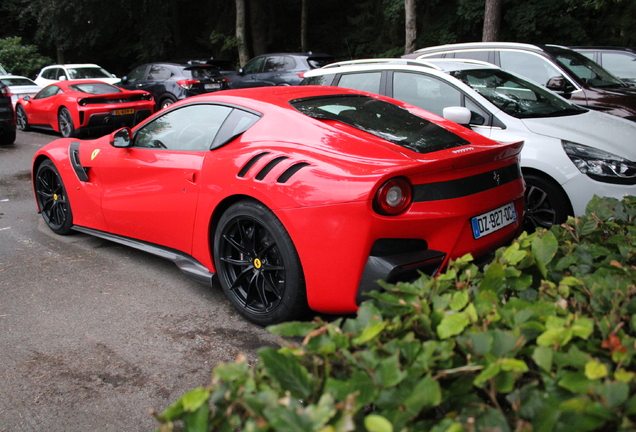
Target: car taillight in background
{"x":393,"y":197}
{"x":188,"y":83}
{"x":6,"y":92}
{"x":301,"y":74}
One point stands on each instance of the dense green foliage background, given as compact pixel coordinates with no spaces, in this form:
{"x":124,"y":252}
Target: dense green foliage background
{"x":119,"y":34}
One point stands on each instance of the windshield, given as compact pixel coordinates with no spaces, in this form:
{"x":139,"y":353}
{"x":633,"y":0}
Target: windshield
{"x":95,"y":88}
{"x":514,"y":95}
{"x":588,"y":71}
{"x":88,"y":73}
{"x":382,"y":119}
{"x":201,"y":72}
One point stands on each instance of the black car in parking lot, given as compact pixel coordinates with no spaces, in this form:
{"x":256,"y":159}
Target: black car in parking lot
{"x":278,"y":69}
{"x":169,"y":82}
{"x":7,"y":116}
{"x":620,"y":61}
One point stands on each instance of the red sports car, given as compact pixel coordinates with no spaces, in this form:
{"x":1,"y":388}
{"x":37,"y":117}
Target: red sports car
{"x":291,"y":196}
{"x":83,"y":106}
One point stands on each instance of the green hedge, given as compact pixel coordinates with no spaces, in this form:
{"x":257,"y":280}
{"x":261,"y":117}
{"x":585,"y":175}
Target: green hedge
{"x":541,"y":340}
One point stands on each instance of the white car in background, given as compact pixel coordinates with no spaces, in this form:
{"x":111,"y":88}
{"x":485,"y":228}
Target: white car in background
{"x":570,"y":153}
{"x":51,"y":74}
{"x":19,"y":86}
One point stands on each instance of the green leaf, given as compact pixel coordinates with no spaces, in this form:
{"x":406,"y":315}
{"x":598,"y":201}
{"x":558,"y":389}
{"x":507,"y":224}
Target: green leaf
{"x":542,"y":356}
{"x":198,"y":420}
{"x":513,"y":365}
{"x":377,"y":423}
{"x":460,"y":300}
{"x":369,"y":333}
{"x":614,"y":393}
{"x":452,"y":324}
{"x":555,"y":337}
{"x":595,"y":370}
{"x":488,"y":373}
{"x":194,"y":399}
{"x":292,"y":329}
{"x":544,"y":247}
{"x":287,"y":371}
{"x":575,"y":382}
{"x":582,"y":327}
{"x":426,"y":394}
{"x":481,"y":343}
{"x":512,"y":255}
{"x":388,"y":373}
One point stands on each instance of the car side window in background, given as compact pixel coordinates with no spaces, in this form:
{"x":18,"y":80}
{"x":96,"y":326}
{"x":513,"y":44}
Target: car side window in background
{"x":588,"y":54}
{"x":368,"y":81}
{"x":529,"y":65}
{"x":621,"y":65}
{"x":137,"y":73}
{"x":472,"y":55}
{"x":61,"y":74}
{"x":290,"y":63}
{"x":159,"y":73}
{"x":191,"y":128}
{"x":47,"y":92}
{"x":478,"y":115}
{"x":425,"y":92}
{"x":49,"y":74}
{"x":254,"y":66}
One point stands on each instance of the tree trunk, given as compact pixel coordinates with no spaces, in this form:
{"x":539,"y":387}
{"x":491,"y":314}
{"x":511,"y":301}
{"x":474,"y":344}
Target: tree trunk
{"x":411,"y":29}
{"x":259,"y":26}
{"x":303,"y":26}
{"x":241,"y":41}
{"x":492,"y":18}
{"x":60,"y":56}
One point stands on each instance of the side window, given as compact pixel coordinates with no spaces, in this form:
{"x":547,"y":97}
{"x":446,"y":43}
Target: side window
{"x":531,"y":66}
{"x":425,"y":92}
{"x":47,"y":92}
{"x":478,"y":115}
{"x":290,"y":63}
{"x":621,"y":65}
{"x":273,"y":64}
{"x":369,"y":81}
{"x":49,"y":74}
{"x":138,"y":73}
{"x":254,"y":66}
{"x":159,"y":73}
{"x":237,"y":122}
{"x":588,"y":54}
{"x":191,"y":128}
{"x":472,"y":55}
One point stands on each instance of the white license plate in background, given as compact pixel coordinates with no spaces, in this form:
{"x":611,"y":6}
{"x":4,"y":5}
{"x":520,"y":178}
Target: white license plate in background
{"x":494,"y":220}
{"x":211,"y":86}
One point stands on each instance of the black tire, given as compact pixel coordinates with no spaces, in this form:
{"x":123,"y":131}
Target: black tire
{"x":7,"y":137}
{"x":21,"y":120}
{"x":546,"y":203}
{"x":65,"y":122}
{"x":165,"y":103}
{"x":258,"y":265}
{"x":52,"y":198}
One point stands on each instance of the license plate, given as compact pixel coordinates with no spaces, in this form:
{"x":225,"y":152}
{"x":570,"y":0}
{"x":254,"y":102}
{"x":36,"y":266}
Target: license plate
{"x":211,"y":86}
{"x":124,"y":111}
{"x":493,"y":220}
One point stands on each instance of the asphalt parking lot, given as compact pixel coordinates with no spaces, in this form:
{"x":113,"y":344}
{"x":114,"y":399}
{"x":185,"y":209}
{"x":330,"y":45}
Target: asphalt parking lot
{"x":93,"y":334}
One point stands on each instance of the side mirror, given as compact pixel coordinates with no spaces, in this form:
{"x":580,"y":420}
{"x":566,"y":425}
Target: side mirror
{"x":121,"y":138}
{"x":26,"y":98}
{"x":557,"y":84}
{"x":63,"y":78}
{"x":124,"y":80}
{"x":241,"y":71}
{"x":457,"y":114}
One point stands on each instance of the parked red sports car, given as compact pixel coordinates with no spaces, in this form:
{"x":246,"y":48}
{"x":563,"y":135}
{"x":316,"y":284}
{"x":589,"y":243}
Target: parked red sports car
{"x":83,"y":106}
{"x":291,"y":196}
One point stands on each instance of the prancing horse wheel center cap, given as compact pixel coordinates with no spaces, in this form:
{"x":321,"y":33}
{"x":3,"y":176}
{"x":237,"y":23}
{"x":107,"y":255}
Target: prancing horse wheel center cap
{"x":257,"y":263}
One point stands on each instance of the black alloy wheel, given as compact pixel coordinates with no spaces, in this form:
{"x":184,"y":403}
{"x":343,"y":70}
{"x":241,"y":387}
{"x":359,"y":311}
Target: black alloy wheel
{"x":21,"y":120}
{"x":258,"y":266}
{"x":52,"y":199}
{"x":546,"y":203}
{"x":65,"y":121}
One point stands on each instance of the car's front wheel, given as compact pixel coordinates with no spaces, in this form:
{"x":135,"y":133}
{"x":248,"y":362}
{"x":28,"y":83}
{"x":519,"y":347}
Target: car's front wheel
{"x":65,"y":122}
{"x":21,"y":120}
{"x":52,"y":198}
{"x":546,"y":203}
{"x":258,"y":265}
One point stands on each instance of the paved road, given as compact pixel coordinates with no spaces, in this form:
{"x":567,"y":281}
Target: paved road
{"x":93,"y":334}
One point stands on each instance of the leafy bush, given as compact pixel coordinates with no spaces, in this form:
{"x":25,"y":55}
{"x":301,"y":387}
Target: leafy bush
{"x":21,"y":59}
{"x":541,"y":340}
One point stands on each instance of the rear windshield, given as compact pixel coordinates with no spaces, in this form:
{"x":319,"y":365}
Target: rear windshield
{"x":17,"y":81}
{"x":95,"y":88}
{"x":88,"y":73}
{"x":318,"y":62}
{"x":201,"y":72}
{"x":382,"y":119}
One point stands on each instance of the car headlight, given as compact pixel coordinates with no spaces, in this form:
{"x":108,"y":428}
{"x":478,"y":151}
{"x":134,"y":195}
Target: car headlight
{"x":600,"y":165}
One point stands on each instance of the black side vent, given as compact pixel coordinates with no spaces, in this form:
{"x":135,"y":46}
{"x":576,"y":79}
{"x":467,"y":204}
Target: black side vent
{"x":251,"y":163}
{"x":73,"y":154}
{"x":291,"y":171}
{"x":261,"y":175}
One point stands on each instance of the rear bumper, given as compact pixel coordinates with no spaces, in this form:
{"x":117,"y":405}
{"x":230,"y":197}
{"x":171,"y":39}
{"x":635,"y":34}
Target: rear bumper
{"x":107,"y":122}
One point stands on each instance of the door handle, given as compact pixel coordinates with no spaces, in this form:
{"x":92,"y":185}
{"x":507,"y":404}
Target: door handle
{"x":191,"y":177}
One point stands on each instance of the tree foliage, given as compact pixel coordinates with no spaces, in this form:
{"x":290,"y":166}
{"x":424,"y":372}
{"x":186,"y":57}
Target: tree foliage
{"x":21,"y":59}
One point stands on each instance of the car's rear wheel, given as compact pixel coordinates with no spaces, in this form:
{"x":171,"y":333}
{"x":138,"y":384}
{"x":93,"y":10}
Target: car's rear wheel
{"x":166,"y":103}
{"x":65,"y":122}
{"x":21,"y":120}
{"x":546,"y":202}
{"x":52,"y":198}
{"x":258,"y":265}
{"x":7,"y":137}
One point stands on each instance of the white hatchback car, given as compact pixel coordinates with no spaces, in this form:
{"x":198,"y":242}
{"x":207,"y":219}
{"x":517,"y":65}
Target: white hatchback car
{"x":51,"y":74}
{"x":19,"y":86}
{"x":570,"y":153}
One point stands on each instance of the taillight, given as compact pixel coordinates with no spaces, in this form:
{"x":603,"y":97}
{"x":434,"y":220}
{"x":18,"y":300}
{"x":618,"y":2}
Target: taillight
{"x":6,"y":92}
{"x":393,"y":197}
{"x":146,"y":96}
{"x":188,"y":83}
{"x":301,"y":74}
{"x":82,"y":102}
